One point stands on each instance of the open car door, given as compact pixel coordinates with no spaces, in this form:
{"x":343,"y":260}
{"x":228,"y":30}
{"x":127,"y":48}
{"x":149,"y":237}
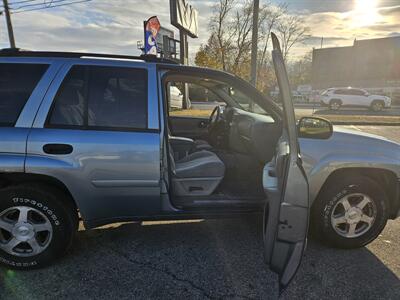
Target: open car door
{"x":287,"y":210}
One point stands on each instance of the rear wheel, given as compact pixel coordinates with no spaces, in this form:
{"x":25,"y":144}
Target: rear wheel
{"x":37,"y":225}
{"x":377,"y":106}
{"x":335,"y":104}
{"x":350,"y":213}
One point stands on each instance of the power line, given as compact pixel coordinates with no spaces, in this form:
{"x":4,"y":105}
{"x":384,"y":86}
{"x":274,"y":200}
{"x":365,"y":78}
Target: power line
{"x":52,"y":6}
{"x":44,"y":4}
{"x":9,"y":8}
{"x":18,"y":2}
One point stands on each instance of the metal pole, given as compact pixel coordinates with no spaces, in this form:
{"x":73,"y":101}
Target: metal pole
{"x":254,"y":40}
{"x":184,"y":53}
{"x":9,"y":24}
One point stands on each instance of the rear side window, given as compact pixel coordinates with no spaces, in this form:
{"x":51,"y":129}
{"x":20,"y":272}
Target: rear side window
{"x":102,"y":98}
{"x":17,"y":82}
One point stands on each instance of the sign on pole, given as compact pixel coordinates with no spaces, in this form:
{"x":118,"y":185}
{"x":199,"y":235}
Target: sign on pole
{"x":152,"y":27}
{"x":184,"y":17}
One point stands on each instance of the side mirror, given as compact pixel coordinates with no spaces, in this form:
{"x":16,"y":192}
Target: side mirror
{"x":314,"y":128}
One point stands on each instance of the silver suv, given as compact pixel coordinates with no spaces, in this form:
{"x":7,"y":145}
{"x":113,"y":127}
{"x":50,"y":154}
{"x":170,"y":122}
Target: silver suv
{"x":335,"y":98}
{"x":91,"y":137}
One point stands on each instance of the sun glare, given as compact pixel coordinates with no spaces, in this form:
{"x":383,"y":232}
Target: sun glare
{"x":365,"y":12}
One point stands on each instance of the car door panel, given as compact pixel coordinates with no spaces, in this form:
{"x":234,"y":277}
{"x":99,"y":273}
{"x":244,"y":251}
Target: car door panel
{"x":109,"y":174}
{"x":287,"y":211}
{"x":190,"y":127}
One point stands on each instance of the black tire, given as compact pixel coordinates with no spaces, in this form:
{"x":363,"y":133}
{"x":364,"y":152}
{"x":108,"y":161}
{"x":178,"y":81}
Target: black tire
{"x":335,"y":104}
{"x":59,"y":210}
{"x":377,"y":105}
{"x":322,"y":211}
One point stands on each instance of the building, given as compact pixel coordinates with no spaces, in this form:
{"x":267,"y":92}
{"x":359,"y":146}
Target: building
{"x":370,"y":64}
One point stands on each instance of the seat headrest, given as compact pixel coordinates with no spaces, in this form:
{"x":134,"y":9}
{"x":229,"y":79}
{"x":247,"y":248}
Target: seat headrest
{"x":69,"y":95}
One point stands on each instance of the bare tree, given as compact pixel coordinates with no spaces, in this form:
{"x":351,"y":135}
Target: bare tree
{"x":219,"y":27}
{"x":291,"y":31}
{"x":242,"y":25}
{"x":270,"y":16}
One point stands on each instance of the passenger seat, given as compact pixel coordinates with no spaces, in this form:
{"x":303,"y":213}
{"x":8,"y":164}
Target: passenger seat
{"x":197,"y":174}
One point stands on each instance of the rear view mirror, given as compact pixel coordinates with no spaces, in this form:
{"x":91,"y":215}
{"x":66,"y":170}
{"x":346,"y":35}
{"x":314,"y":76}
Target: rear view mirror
{"x":315,"y":128}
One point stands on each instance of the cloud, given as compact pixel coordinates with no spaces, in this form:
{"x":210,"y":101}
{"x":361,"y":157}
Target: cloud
{"x":390,"y":11}
{"x":384,"y":27}
{"x":97,"y":26}
{"x":115,"y":26}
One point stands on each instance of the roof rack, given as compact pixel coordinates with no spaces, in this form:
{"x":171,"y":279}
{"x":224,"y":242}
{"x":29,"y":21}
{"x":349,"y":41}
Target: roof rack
{"x":9,"y":52}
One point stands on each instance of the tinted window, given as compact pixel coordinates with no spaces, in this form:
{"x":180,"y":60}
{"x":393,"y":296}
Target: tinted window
{"x":118,"y":97}
{"x":69,"y":103}
{"x":17,"y":82}
{"x":102,"y":97}
{"x":357,"y":92}
{"x":342,"y":92}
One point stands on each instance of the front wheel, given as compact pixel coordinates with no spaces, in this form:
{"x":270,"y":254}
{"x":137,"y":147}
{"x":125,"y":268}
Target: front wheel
{"x":37,"y":225}
{"x":350,"y":212}
{"x":377,"y":106}
{"x":335,"y":104}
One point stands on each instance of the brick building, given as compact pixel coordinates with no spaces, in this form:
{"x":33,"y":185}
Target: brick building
{"x":373,"y":63}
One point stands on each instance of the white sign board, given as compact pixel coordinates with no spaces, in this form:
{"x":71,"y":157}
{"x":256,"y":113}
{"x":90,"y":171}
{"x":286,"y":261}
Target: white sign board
{"x":184,"y":17}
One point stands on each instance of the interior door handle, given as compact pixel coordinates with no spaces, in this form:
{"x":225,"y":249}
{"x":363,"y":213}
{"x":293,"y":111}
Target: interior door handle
{"x":202,"y":124}
{"x":58,"y":149}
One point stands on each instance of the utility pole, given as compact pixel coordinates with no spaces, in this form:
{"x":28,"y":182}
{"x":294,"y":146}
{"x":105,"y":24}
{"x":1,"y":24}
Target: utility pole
{"x":254,"y":40}
{"x":9,"y":24}
{"x":184,"y":57}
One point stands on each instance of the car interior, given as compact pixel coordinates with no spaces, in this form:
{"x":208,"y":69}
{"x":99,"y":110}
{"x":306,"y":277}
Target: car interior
{"x":218,"y":160}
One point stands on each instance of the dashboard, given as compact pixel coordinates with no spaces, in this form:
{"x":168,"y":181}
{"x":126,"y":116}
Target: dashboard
{"x":252,"y":134}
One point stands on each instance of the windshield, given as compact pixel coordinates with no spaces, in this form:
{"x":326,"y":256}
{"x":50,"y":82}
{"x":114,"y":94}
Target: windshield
{"x":242,"y":100}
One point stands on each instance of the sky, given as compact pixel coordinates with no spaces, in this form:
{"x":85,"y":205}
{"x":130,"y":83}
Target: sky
{"x":115,"y":26}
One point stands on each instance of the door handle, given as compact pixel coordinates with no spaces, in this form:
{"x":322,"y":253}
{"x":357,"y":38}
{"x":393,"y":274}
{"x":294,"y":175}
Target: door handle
{"x":58,"y":149}
{"x":203,"y":124}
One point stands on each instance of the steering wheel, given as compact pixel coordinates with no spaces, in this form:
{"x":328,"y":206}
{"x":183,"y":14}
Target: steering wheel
{"x":214,"y":118}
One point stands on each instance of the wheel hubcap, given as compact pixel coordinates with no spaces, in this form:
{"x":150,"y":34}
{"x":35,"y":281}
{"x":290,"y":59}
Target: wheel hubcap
{"x":377,"y":106}
{"x":24,"y":231}
{"x":353,"y":215}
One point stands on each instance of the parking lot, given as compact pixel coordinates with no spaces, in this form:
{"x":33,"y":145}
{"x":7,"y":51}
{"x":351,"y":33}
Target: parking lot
{"x":208,"y":259}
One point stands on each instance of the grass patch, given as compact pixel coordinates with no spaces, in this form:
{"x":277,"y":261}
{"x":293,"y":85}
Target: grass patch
{"x":191,"y":113}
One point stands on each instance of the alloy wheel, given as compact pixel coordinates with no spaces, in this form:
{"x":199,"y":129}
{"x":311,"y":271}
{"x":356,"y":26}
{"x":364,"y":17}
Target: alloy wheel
{"x":377,"y":106}
{"x":24,"y":231}
{"x":335,"y":106}
{"x":353,"y":215}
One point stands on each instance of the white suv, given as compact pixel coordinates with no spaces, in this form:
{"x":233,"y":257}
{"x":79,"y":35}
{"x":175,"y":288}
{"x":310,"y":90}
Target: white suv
{"x":337,"y":97}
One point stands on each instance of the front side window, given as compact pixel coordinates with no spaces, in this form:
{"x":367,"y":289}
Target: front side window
{"x":342,"y":92}
{"x":103,"y":98}
{"x":17,"y":82}
{"x":200,"y":103}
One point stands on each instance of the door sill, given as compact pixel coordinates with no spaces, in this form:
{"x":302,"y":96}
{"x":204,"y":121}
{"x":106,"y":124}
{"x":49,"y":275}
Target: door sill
{"x":219,"y":201}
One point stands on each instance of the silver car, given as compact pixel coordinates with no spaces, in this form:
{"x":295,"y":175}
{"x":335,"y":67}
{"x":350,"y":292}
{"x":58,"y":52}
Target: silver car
{"x":94,"y":139}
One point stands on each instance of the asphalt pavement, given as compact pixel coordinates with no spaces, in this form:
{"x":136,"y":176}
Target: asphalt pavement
{"x":219,"y":259}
